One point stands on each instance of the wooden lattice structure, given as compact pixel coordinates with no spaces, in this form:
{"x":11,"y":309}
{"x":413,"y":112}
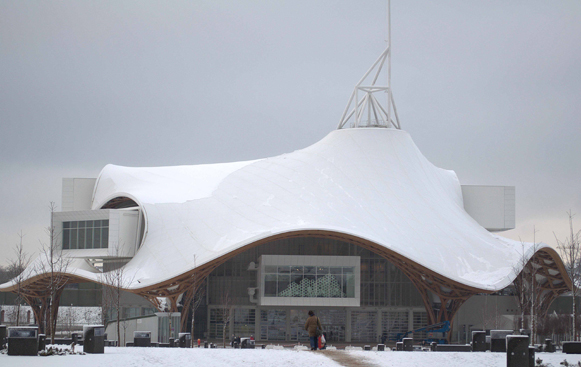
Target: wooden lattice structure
{"x":551,"y":275}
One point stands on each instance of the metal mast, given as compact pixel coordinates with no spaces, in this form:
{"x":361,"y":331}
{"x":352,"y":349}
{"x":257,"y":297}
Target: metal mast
{"x":388,"y":60}
{"x":367,"y":111}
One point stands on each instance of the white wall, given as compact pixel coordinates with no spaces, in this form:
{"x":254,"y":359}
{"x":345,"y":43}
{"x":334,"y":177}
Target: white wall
{"x":123,"y":231}
{"x":493,"y":207}
{"x":485,"y":312}
{"x":128,"y":327}
{"x":77,"y":193}
{"x":151,"y":323}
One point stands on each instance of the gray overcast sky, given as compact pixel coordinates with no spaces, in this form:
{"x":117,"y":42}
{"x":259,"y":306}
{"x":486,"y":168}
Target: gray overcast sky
{"x":490,"y":89}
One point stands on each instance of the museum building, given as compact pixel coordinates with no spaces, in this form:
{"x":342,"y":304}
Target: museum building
{"x":359,"y":227}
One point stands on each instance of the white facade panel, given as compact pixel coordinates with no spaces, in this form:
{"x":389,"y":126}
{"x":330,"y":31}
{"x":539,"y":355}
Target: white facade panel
{"x":493,"y":207}
{"x":128,"y":232}
{"x":77,"y":193}
{"x":68,"y":195}
{"x":123,"y":232}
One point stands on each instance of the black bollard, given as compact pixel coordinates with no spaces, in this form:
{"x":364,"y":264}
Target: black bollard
{"x":408,"y":345}
{"x":531,"y":356}
{"x":479,"y":341}
{"x":517,"y":351}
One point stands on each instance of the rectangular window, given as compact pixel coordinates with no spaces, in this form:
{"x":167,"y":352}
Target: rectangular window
{"x":307,"y":279}
{"x":85,"y":234}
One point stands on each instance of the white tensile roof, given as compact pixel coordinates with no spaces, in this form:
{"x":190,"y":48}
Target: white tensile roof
{"x":372,"y":183}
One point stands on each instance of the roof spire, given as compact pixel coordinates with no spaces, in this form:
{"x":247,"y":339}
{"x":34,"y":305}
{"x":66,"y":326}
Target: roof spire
{"x":364,"y":109}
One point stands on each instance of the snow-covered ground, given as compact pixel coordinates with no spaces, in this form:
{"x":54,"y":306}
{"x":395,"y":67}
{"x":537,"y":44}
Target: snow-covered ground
{"x":154,"y":357}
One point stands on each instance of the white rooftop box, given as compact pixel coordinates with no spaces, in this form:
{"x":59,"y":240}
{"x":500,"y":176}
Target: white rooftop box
{"x":493,"y":207}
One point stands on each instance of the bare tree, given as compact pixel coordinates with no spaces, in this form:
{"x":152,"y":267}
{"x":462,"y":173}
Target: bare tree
{"x":490,"y":313}
{"x":104,"y":304}
{"x":570,"y":250}
{"x":224,"y":314}
{"x":115,"y":280}
{"x":55,"y":264}
{"x":124,"y":326}
{"x":17,"y":267}
{"x":192,"y":299}
{"x":535,"y":289}
{"x":67,"y":318}
{"x":522,"y":286}
{"x":527,"y":287}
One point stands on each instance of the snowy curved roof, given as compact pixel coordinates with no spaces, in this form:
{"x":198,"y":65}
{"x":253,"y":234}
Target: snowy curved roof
{"x":369,"y":183}
{"x":372,"y":183}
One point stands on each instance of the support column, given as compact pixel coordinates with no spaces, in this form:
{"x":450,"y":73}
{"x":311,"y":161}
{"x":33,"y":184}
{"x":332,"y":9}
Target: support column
{"x":378,"y":325}
{"x":187,"y":299}
{"x":348,"y":325}
{"x":231,"y":326}
{"x":257,"y":323}
{"x":411,"y":320}
{"x":288,"y":324}
{"x":37,"y":308}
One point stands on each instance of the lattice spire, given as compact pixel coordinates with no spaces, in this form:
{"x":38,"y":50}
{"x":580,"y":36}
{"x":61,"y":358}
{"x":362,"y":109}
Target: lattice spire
{"x":365,"y":107}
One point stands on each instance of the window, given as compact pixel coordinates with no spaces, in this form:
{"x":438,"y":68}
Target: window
{"x":86,"y":234}
{"x":309,"y":281}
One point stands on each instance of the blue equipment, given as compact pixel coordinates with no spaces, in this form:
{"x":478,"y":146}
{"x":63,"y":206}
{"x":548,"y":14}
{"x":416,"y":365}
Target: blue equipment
{"x":434,"y":333}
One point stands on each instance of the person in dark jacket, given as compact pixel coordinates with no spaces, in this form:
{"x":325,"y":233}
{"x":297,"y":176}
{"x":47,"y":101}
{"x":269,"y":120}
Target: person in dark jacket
{"x":312,"y":325}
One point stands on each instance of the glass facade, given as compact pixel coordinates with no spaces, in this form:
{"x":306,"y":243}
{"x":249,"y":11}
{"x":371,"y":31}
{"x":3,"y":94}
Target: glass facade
{"x":420,"y":320}
{"x":363,"y":326}
{"x":244,"y":321}
{"x":297,"y":326}
{"x":272,"y":325}
{"x":394,"y":323}
{"x":217,"y":320}
{"x":85,"y":234}
{"x":334,"y":321}
{"x":382,"y":284}
{"x":387,"y":297}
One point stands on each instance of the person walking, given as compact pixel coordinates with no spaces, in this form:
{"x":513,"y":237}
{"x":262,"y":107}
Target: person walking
{"x":313,"y":326}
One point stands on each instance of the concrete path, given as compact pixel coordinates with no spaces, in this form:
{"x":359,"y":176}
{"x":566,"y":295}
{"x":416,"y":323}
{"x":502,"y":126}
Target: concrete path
{"x":345,"y":359}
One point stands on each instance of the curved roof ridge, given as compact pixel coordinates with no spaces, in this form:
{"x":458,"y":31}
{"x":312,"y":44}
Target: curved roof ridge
{"x":372,"y":183}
